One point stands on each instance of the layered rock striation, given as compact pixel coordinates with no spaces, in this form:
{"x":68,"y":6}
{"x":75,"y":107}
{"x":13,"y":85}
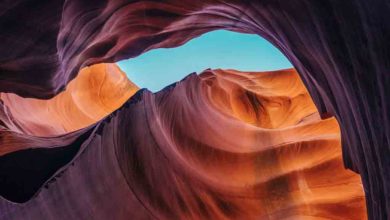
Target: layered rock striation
{"x":339,"y":48}
{"x":221,"y":145}
{"x":97,"y":91}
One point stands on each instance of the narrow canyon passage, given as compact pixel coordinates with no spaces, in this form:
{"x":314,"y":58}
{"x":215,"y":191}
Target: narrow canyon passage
{"x":222,"y":145}
{"x":132,"y":152}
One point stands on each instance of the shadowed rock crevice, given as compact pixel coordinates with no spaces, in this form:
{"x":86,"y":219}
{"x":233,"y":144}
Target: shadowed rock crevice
{"x":24,"y":172}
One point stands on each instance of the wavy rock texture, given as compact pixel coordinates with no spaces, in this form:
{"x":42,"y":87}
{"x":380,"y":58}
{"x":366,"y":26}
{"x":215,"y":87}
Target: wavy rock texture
{"x":340,"y":49}
{"x":222,"y":145}
{"x":97,"y":91}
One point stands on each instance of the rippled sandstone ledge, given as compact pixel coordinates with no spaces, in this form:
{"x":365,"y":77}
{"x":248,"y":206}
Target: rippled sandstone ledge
{"x":222,"y":145}
{"x":97,"y":91}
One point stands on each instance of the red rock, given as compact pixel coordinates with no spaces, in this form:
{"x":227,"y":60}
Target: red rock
{"x":222,"y":145}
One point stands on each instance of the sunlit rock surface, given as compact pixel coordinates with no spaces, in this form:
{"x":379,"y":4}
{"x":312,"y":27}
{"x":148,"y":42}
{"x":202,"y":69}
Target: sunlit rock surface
{"x":221,"y":145}
{"x":97,"y":91}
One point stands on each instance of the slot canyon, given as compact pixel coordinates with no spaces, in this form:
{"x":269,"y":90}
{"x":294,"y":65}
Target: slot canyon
{"x":80,"y":140}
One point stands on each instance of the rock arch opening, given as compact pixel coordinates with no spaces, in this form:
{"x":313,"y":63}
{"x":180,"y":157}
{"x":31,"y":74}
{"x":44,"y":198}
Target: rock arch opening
{"x":221,"y":49}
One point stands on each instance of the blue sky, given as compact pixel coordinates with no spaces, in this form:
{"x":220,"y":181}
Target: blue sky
{"x":158,"y":68}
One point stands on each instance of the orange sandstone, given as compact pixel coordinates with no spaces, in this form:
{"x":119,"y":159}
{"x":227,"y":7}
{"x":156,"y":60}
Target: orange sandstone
{"x":94,"y":93}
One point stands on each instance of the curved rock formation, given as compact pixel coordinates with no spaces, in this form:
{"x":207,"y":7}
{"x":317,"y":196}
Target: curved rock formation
{"x":97,"y":91}
{"x":222,"y":145}
{"x":340,"y":49}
